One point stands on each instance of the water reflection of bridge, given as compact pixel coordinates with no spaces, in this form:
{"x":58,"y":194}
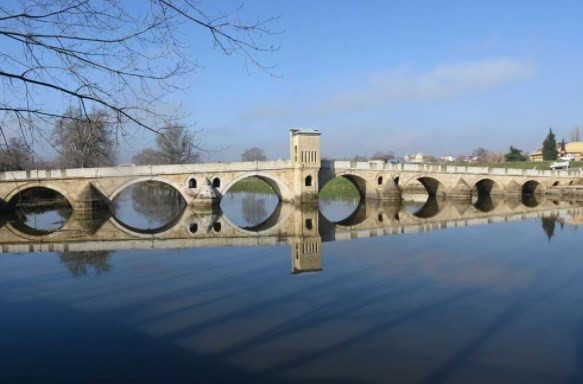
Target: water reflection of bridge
{"x":302,"y":227}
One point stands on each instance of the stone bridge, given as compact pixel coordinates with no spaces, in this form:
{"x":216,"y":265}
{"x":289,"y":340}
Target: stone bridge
{"x":299,"y":179}
{"x":302,"y":227}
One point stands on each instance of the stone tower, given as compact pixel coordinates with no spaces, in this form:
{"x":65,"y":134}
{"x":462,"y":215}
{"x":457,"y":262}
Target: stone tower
{"x":305,"y":159}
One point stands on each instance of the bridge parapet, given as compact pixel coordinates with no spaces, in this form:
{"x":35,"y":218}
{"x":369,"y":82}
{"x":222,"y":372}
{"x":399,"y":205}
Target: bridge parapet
{"x":144,"y":170}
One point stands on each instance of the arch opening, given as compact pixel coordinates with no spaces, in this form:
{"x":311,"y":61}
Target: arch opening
{"x":192,"y":183}
{"x":148,"y":207}
{"x":422,"y":188}
{"x":308,"y":182}
{"x":340,"y":197}
{"x":531,"y":187}
{"x":40,"y":210}
{"x":216,"y":182}
{"x":486,"y":187}
{"x":380,"y":180}
{"x":253,"y":203}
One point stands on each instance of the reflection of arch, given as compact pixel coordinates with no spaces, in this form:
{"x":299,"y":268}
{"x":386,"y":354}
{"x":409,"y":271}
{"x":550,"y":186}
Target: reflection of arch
{"x":532,"y":187}
{"x":143,"y":180}
{"x":281,"y":189}
{"x":278,"y":218}
{"x":356,"y":217}
{"x":556,"y":183}
{"x":268,"y":223}
{"x":430,"y":209}
{"x":487,"y":187}
{"x":530,"y":201}
{"x":486,"y":203}
{"x":139,"y":232}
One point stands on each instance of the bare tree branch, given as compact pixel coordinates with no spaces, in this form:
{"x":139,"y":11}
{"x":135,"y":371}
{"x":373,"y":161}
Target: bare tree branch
{"x":91,"y":54}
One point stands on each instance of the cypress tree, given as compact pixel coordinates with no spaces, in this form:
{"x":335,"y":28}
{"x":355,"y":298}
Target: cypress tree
{"x":550,"y":147}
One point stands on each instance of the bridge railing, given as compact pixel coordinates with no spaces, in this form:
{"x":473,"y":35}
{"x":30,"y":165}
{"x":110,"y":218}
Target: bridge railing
{"x":444,"y":168}
{"x":143,"y":170}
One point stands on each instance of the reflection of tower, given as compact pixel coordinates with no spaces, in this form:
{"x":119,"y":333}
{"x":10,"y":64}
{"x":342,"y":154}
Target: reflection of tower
{"x":305,"y":159}
{"x":307,"y":243}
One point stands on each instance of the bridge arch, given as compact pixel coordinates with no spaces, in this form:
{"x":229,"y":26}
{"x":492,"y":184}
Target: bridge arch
{"x":487,"y":187}
{"x":433,"y":186}
{"x":532,"y":187}
{"x":279,"y":186}
{"x":25,"y":187}
{"x":122,"y":187}
{"x":366,"y":189}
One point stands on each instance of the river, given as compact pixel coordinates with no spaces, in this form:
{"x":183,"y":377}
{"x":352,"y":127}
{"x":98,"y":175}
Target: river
{"x":441,"y":292}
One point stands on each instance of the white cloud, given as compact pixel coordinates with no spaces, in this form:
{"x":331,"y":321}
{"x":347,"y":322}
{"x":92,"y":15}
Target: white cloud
{"x":441,"y":82}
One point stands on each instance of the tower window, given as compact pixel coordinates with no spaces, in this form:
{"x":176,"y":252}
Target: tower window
{"x":308,"y":181}
{"x":380,"y":181}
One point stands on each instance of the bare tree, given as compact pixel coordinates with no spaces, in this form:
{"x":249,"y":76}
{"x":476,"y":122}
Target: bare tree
{"x":176,"y":145}
{"x":380,"y":155}
{"x":253,"y":154}
{"x":109,"y":54}
{"x":84,"y":140}
{"x":495,"y":157}
{"x":359,"y":158}
{"x":574,"y":134}
{"x":16,"y":155}
{"x":480,"y":154}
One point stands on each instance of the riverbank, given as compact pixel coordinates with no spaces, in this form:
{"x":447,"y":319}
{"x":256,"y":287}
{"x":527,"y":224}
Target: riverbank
{"x":338,"y":187}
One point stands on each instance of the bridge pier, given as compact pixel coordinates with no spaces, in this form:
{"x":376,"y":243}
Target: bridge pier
{"x":461,"y":191}
{"x":205,"y":196}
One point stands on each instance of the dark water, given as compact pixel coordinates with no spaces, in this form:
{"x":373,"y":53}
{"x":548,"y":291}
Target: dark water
{"x":437,"y":293}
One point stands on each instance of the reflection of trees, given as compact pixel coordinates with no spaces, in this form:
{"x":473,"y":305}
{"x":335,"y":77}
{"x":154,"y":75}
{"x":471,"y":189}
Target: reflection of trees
{"x":549,"y":226}
{"x":253,"y":207}
{"x":79,"y":263}
{"x":157,"y":201}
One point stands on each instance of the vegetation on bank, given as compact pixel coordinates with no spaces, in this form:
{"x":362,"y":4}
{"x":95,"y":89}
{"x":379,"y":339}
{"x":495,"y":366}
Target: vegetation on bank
{"x":338,"y":187}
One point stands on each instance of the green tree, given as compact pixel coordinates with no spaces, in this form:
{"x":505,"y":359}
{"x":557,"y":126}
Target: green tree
{"x":514,"y":154}
{"x":550,"y":147}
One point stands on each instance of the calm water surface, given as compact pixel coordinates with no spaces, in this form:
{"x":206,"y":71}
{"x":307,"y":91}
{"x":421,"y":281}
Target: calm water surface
{"x":455,"y":297}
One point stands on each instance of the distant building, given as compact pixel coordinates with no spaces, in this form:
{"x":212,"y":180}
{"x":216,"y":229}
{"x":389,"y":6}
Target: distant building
{"x":575,"y":149}
{"x":448,"y":158}
{"x":418,"y":158}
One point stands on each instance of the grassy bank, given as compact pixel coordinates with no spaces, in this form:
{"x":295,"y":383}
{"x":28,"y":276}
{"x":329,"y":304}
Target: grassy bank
{"x":339,"y":187}
{"x":252,"y":185}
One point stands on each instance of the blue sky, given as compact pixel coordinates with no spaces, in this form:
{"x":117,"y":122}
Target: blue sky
{"x":439,"y":77}
{"x":436,"y":77}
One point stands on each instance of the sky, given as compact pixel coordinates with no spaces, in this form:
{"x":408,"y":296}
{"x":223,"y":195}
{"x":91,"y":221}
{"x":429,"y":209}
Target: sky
{"x":438,"y":77}
{"x":411,"y":76}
